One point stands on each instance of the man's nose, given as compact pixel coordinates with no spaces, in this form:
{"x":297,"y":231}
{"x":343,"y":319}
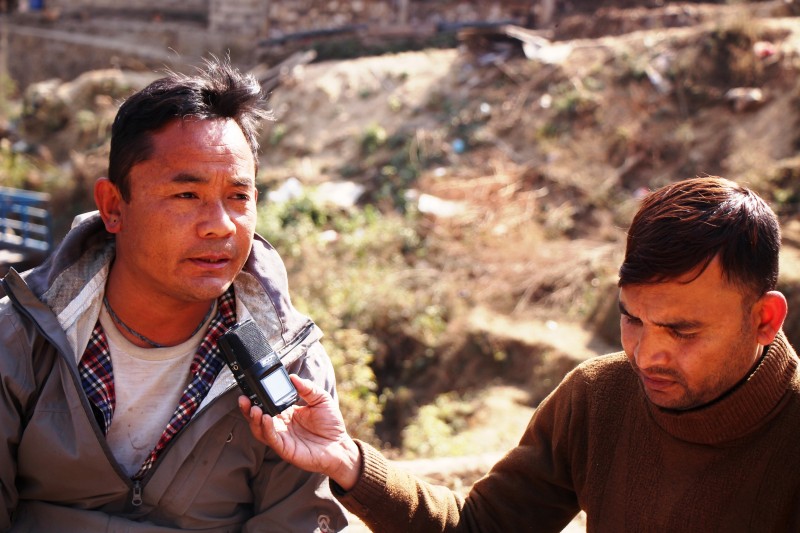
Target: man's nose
{"x":215,"y":220}
{"x":650,"y":350}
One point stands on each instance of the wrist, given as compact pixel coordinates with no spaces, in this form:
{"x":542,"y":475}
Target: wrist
{"x":346,"y":475}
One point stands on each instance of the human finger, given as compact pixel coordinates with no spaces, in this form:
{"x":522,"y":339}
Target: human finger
{"x":309,"y":391}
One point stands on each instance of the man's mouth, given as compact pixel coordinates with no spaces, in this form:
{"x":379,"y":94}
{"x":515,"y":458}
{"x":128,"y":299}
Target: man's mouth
{"x":211,"y":260}
{"x":655,"y":382}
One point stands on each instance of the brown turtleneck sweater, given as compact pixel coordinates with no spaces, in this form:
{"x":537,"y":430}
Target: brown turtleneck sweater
{"x":597,"y":444}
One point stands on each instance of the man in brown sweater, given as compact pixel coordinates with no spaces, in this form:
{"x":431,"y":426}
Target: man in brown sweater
{"x":694,"y":427}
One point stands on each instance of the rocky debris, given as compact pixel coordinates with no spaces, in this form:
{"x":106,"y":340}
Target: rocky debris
{"x":76,"y":115}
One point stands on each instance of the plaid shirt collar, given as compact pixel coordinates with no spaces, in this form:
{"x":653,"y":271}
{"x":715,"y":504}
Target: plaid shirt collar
{"x":97,"y":377}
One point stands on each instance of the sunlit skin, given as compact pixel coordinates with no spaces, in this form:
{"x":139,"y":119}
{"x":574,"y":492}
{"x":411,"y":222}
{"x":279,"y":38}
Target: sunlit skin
{"x":313,"y":436}
{"x":186,"y":231}
{"x":692,"y":341}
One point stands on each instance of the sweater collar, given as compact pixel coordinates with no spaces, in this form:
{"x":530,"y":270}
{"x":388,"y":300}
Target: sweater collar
{"x":750,"y":405}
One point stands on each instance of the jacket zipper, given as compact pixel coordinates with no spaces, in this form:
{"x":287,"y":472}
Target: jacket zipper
{"x":136,"y":487}
{"x":136,"y":499}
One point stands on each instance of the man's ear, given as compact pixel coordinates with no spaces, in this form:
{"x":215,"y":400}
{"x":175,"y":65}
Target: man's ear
{"x":772,"y":309}
{"x":108,"y":200}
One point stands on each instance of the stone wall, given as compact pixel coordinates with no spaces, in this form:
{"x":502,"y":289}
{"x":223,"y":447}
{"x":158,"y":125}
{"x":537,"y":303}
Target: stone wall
{"x":68,"y":37}
{"x":168,"y":6}
{"x":243,"y":18}
{"x":289,"y":16}
{"x":35,"y":53}
{"x":271,"y":18}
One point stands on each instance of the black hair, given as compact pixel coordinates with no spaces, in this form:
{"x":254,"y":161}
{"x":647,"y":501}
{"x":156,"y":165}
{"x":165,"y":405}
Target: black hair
{"x":685,"y":225}
{"x":217,"y":91}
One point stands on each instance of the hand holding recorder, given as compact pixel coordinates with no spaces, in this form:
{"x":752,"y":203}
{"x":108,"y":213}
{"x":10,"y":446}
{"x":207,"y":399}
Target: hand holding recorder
{"x":312,"y":437}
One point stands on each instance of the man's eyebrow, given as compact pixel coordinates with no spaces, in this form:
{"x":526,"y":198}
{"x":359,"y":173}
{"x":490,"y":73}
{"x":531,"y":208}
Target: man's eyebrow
{"x":680,"y":324}
{"x":677,"y":325}
{"x":187,"y":178}
{"x":242,"y":182}
{"x":236,"y":181}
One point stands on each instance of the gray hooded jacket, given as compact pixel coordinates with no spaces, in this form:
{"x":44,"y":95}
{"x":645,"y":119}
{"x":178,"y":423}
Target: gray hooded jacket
{"x":56,"y":471}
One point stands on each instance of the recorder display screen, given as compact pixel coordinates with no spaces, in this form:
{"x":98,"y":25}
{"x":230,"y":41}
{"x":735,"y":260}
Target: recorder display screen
{"x":278,"y":385}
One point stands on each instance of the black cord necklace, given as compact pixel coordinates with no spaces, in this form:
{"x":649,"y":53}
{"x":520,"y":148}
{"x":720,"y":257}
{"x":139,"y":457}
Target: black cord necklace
{"x":141,"y":337}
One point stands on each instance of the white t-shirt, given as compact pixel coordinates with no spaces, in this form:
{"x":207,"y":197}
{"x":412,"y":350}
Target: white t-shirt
{"x":148,"y":384}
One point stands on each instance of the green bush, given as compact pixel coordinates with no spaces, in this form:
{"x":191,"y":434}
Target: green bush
{"x":431,"y":433}
{"x":21,"y":170}
{"x":346,"y":270}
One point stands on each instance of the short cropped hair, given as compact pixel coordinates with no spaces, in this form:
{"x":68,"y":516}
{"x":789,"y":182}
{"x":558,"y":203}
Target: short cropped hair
{"x":687,"y":224}
{"x":219,"y":91}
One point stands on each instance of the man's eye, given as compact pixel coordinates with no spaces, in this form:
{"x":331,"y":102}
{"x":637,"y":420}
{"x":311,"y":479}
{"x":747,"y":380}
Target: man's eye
{"x":683,"y":335}
{"x":631,"y":320}
{"x":186,"y":195}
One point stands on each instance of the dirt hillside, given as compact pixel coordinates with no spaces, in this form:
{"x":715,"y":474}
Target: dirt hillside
{"x":531,"y":167}
{"x":543,"y":159}
{"x":522,"y":156}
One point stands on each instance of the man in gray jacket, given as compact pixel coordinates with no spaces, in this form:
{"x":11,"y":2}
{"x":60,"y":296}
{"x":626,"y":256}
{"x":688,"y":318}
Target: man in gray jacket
{"x":117,"y":412}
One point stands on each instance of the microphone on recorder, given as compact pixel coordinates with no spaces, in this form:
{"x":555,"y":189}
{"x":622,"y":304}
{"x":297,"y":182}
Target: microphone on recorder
{"x":257,"y":368}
